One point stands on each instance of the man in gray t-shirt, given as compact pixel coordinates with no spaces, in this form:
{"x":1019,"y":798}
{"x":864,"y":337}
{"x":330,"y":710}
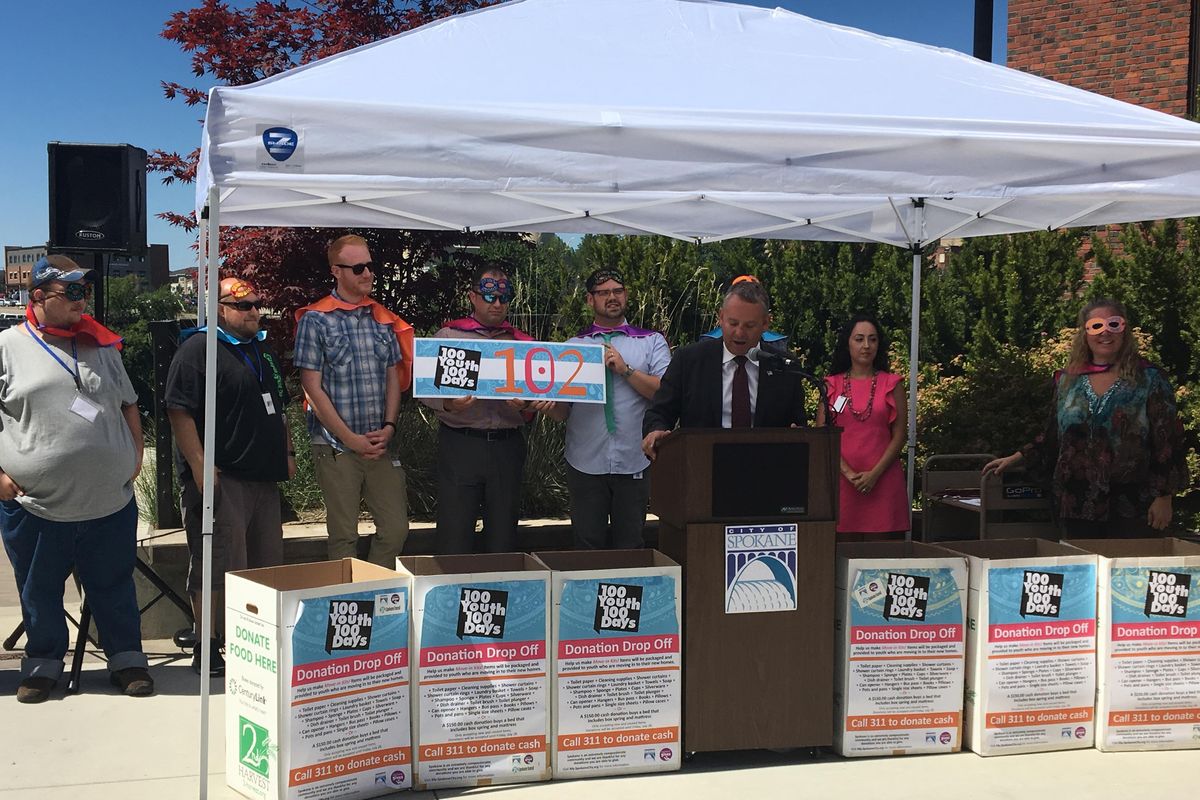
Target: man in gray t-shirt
{"x":70,"y":447}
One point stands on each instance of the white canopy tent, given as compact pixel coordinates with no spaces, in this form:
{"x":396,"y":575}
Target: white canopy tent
{"x":697,"y":120}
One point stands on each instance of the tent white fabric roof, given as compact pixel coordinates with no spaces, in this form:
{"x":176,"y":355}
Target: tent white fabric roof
{"x":692,"y":119}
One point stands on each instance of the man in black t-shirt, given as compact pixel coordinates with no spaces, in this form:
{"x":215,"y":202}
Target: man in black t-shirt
{"x":253,"y":450}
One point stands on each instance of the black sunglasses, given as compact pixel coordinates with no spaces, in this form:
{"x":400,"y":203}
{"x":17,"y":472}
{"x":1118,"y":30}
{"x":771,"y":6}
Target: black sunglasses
{"x":358,"y":268}
{"x":74,"y":292}
{"x":244,"y":305}
{"x":491,"y":297}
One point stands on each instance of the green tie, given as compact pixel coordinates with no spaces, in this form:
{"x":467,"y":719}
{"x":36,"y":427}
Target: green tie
{"x":610,"y":418}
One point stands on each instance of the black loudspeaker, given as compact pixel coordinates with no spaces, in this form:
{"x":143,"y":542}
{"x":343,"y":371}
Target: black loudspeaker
{"x":97,"y":197}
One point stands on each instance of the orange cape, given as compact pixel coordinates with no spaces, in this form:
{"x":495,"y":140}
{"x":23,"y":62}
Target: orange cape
{"x":404,"y":331}
{"x":87,"y":326}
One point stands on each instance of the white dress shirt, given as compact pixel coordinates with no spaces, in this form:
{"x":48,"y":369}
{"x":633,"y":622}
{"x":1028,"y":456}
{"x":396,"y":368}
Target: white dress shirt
{"x":728,"y":367}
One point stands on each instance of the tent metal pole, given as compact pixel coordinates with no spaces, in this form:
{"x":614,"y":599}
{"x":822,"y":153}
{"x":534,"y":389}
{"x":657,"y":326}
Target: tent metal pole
{"x":210,"y":437}
{"x":914,"y":342}
{"x":202,"y":270}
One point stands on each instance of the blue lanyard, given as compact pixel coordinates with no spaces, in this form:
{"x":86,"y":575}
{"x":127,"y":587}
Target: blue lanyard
{"x":61,"y":363}
{"x":258,"y":373}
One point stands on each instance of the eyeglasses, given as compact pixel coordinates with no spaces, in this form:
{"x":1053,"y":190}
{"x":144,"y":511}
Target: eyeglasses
{"x":1097,"y":325}
{"x":603,"y":293}
{"x":358,"y":268}
{"x":74,"y":292}
{"x":491,"y":297}
{"x":244,"y":305}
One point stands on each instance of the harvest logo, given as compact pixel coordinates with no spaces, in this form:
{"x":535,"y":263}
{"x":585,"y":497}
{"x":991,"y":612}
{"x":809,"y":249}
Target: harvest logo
{"x":253,"y":747}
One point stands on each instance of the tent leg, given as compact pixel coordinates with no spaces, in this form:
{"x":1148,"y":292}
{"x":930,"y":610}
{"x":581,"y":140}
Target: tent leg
{"x":210,"y":435}
{"x":914,"y":351}
{"x":202,"y":273}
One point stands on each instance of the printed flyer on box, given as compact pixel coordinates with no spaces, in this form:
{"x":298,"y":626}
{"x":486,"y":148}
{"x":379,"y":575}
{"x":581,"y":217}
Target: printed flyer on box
{"x":502,"y":369}
{"x":906,"y":650}
{"x":482,"y":679}
{"x":1152,"y":672}
{"x":618,"y":673}
{"x":1039,"y":682}
{"x":350,"y":709}
{"x":252,"y":704}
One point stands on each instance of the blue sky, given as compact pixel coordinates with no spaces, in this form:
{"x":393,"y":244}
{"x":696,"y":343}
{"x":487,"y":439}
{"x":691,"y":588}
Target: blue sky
{"x":88,"y":71}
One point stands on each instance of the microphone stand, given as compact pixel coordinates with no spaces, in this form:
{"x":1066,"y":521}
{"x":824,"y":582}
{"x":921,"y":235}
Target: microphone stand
{"x":774,"y":360}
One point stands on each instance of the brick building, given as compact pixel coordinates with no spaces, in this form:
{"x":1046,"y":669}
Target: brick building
{"x":1139,"y":51}
{"x":18,"y":263}
{"x":1145,"y":52}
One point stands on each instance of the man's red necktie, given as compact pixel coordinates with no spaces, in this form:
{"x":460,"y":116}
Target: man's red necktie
{"x":739,"y":416}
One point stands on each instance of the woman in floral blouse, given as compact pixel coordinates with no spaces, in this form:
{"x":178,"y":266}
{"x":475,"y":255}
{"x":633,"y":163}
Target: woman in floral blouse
{"x":1113,"y":438}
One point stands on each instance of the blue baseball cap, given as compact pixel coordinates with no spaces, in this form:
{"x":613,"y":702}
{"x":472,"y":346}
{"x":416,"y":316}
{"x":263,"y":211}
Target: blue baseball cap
{"x":58,"y":268}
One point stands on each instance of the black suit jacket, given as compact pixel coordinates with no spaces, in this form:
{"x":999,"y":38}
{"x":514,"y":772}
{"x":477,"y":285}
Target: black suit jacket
{"x":690,"y":393}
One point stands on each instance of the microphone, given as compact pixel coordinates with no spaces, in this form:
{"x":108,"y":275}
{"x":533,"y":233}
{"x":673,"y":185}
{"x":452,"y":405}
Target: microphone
{"x":772,"y":359}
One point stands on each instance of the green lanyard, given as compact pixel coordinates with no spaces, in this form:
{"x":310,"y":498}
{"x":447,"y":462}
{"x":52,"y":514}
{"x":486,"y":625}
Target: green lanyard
{"x":610,"y":417}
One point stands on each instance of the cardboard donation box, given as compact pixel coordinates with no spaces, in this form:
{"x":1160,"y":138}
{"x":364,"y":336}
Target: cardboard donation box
{"x":316,"y":687}
{"x":1031,"y":646}
{"x":617,"y":681}
{"x":482,"y":693}
{"x":1149,"y":644}
{"x":901,"y":649}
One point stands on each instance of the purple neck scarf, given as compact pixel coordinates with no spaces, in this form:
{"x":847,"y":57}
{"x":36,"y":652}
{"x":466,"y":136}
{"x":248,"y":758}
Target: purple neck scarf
{"x":625,"y":328}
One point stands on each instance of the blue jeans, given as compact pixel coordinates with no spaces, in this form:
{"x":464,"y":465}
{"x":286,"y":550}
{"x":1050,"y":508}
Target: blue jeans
{"x":102,"y":552}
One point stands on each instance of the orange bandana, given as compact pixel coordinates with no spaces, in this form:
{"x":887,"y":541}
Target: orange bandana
{"x":87,"y":326}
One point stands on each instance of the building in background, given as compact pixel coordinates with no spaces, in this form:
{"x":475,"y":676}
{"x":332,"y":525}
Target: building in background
{"x":152,"y":270}
{"x":183,"y":283}
{"x":18,"y":263}
{"x":1143,"y":52}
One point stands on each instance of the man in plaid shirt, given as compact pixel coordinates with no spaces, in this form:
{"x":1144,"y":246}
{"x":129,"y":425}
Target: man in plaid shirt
{"x":355,"y":359}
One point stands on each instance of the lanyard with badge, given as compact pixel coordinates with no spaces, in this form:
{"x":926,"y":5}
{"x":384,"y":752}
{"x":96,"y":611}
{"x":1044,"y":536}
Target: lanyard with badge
{"x":268,"y":401}
{"x":81,"y":406}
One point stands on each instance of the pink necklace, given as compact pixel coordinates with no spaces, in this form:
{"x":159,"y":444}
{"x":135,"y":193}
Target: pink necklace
{"x":861,"y":416}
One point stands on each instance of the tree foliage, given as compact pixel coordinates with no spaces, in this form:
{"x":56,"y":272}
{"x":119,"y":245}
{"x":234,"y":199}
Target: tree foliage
{"x":129,"y":312}
{"x":239,"y":45}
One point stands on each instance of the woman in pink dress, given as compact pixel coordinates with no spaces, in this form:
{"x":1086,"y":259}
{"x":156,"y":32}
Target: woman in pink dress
{"x":868,"y":403}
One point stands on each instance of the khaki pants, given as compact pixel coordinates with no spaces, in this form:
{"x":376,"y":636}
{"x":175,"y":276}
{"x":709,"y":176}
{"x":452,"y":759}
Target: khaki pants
{"x":346,"y":479}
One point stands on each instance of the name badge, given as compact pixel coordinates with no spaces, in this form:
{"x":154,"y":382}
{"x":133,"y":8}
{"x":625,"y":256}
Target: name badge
{"x":82,"y":407}
{"x":268,"y":403}
{"x":839,"y":403}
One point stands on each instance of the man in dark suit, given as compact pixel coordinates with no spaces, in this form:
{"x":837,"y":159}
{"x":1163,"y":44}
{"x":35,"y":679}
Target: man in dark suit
{"x":719,"y":383}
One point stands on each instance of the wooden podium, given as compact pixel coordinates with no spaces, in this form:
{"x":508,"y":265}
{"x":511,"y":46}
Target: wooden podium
{"x":752,"y":680}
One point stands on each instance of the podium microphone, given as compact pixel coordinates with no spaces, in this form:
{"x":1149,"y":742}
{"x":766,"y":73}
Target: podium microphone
{"x":772,"y":359}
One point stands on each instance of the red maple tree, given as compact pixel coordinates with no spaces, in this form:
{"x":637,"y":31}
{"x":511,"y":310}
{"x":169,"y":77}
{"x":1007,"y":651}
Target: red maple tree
{"x":426,"y":270}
